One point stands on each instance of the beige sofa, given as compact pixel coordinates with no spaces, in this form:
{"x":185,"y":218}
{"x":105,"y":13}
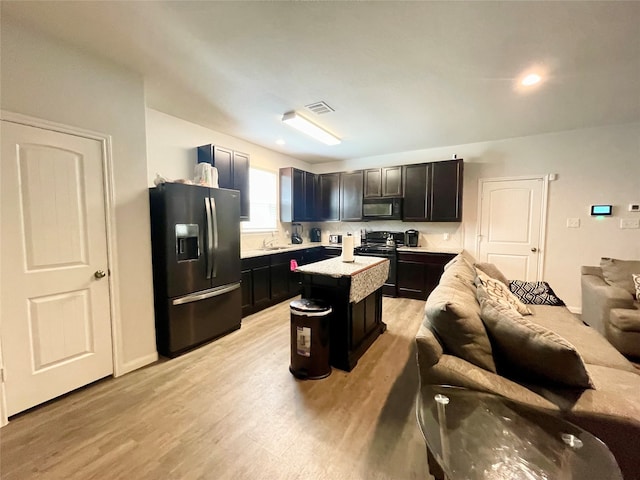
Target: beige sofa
{"x":454,"y":348}
{"x":608,"y":304}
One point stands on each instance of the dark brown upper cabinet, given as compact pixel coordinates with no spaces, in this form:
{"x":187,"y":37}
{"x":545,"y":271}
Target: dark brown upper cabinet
{"x":233,"y":171}
{"x":328,"y":204}
{"x":351,"y":190}
{"x":383,"y":182}
{"x":433,"y":191}
{"x":297,"y":195}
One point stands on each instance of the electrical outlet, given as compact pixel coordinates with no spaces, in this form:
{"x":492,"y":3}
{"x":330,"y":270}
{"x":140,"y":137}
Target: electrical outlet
{"x":629,"y":223}
{"x":634,"y":207}
{"x":573,"y":223}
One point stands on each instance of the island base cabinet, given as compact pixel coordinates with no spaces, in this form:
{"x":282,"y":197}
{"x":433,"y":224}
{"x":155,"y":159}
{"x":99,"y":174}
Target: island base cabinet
{"x":354,"y":326}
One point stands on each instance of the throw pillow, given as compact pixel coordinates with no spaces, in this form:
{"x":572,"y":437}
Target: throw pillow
{"x":529,"y":351}
{"x":491,"y":270}
{"x":618,"y":272}
{"x":636,"y":282}
{"x":453,"y":314}
{"x":500,"y":293}
{"x":535,"y":293}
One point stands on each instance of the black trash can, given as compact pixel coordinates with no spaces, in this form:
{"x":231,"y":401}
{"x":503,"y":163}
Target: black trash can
{"x":310,"y":339}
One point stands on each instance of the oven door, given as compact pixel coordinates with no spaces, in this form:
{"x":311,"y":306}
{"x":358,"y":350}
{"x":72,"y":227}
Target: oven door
{"x":382,"y":208}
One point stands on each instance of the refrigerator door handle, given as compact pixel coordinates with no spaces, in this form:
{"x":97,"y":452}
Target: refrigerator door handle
{"x":214,"y":292}
{"x":214,"y":269}
{"x":207,"y":207}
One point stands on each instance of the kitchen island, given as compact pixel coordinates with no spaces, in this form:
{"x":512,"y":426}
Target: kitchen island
{"x":354,"y":290}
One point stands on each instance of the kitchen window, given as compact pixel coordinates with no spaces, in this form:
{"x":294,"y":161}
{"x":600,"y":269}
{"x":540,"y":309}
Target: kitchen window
{"x":263,"y":199}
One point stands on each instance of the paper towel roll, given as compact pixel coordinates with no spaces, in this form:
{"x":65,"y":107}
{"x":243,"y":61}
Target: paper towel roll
{"x":347,"y":248}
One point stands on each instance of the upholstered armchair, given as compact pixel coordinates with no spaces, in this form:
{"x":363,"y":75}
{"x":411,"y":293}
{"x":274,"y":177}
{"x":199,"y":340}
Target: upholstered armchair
{"x":609,"y":304}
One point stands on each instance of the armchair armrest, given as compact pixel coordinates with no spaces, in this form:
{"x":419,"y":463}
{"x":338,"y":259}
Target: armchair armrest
{"x":598,"y":298}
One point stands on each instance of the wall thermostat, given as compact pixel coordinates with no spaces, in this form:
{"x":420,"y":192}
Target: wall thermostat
{"x":601,"y":210}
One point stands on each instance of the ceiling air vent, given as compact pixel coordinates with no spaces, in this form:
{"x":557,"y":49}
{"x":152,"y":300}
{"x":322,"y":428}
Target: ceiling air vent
{"x":319,"y":108}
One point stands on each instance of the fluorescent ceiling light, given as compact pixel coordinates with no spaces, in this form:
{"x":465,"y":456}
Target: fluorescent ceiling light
{"x":306,"y":126}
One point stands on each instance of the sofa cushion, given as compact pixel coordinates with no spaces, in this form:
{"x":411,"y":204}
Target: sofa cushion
{"x":499,"y":292}
{"x":535,"y":293}
{"x":625,"y":319}
{"x":491,"y":270}
{"x":526,"y":350}
{"x":461,"y":268}
{"x":592,"y":346}
{"x":619,"y":387}
{"x":619,"y":272}
{"x":453,"y":314}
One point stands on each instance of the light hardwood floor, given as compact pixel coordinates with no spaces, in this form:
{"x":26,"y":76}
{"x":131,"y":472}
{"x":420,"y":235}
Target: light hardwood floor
{"x":232,"y":410}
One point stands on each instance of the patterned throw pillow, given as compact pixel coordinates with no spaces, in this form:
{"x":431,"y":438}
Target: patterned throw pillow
{"x":500,"y":293}
{"x":535,"y":293}
{"x":636,"y":283}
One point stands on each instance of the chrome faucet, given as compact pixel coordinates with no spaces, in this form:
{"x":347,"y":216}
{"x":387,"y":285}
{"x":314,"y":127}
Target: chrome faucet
{"x":268,"y":243}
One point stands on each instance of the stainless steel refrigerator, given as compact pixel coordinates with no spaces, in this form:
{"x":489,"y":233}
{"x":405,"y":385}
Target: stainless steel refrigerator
{"x":195,"y":238}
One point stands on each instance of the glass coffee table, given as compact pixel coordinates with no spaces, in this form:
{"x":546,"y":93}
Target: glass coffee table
{"x":472,"y":435}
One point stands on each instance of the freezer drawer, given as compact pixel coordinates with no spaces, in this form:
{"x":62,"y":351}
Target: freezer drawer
{"x":194,"y":319}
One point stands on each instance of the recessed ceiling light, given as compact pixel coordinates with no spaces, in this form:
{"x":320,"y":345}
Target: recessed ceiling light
{"x":531,"y":79}
{"x":280,"y":141}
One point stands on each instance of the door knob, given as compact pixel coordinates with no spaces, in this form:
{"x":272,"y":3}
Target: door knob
{"x":99,"y":274}
{"x":534,"y":249}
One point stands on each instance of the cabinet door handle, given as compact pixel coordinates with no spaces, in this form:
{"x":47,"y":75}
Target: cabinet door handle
{"x":534,"y":249}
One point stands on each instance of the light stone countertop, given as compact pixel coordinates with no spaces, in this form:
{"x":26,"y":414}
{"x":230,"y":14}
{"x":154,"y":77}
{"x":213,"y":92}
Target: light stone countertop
{"x":367,"y":273}
{"x":280,"y":249}
{"x":302,"y":246}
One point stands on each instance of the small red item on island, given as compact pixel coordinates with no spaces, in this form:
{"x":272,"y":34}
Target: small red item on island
{"x":293,"y":265}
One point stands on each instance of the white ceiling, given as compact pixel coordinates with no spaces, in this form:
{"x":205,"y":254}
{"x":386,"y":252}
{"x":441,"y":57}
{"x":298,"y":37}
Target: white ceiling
{"x":400,"y":75}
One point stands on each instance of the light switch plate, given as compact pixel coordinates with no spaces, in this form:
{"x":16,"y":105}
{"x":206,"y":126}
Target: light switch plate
{"x":629,"y":223}
{"x":634,"y":207}
{"x":573,"y":223}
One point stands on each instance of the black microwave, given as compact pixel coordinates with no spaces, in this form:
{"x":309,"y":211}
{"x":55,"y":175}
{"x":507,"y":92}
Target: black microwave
{"x":382,"y":208}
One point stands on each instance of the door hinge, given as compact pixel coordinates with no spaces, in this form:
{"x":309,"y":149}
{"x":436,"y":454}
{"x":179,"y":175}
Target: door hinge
{"x":2,"y":374}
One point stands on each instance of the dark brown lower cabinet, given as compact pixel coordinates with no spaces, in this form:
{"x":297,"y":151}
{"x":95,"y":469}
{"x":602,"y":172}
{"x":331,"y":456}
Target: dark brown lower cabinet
{"x":279,"y":276}
{"x":330,"y":252}
{"x":256,"y":284}
{"x":420,"y":272}
{"x":268,"y":279}
{"x":246,"y":283}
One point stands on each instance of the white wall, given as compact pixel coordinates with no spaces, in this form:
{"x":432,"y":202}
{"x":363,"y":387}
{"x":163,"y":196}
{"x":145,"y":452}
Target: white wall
{"x":46,"y":79}
{"x":597,"y":165}
{"x":171,"y":147}
{"x":172,"y":142}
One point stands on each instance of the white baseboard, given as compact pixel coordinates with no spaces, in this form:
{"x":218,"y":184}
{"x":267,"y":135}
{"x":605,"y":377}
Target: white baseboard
{"x":137,"y":363}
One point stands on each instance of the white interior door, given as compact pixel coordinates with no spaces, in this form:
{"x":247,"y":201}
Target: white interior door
{"x":511,"y":226}
{"x":56,"y":320}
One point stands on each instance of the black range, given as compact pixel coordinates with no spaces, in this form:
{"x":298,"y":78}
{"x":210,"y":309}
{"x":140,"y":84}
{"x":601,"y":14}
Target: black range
{"x":383,"y":244}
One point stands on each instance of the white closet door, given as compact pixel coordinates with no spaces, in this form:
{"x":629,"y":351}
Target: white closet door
{"x":56,"y":319}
